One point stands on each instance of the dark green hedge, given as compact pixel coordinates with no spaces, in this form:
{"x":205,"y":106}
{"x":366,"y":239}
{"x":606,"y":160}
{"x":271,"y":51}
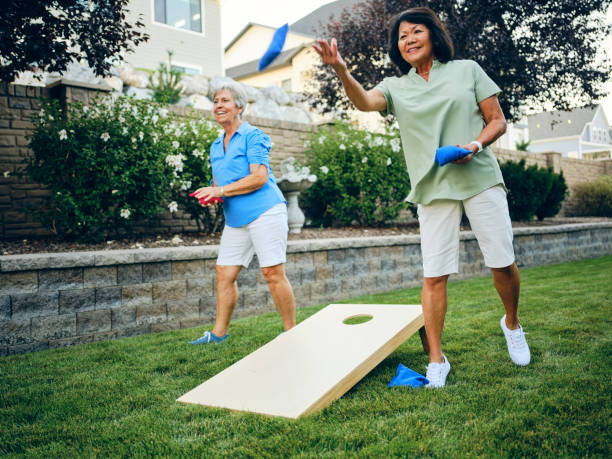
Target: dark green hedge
{"x":533,"y":191}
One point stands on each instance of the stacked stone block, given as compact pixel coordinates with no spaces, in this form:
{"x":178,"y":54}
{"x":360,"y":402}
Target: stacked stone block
{"x":48,"y":301}
{"x":17,"y":105}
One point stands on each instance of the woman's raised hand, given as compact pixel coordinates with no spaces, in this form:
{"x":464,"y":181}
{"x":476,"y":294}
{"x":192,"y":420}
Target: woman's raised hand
{"x":329,"y":53}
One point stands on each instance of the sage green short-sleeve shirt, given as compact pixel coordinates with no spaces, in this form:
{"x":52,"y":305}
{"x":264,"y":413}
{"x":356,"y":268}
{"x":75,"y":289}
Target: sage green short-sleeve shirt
{"x":438,"y":112}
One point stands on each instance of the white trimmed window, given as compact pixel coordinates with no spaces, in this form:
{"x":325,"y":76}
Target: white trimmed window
{"x":186,"y":70}
{"x":182,"y":14}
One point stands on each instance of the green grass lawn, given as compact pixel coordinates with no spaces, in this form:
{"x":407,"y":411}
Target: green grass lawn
{"x":117,"y":398}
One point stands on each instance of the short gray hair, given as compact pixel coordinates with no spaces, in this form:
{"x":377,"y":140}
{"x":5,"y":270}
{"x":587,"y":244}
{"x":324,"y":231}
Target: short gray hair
{"x":235,"y":88}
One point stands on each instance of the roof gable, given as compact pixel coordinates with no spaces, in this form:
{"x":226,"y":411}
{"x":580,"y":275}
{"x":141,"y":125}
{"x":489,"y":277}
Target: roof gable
{"x":249,"y":68}
{"x":245,"y":29}
{"x":556,"y":124}
{"x":310,"y":23}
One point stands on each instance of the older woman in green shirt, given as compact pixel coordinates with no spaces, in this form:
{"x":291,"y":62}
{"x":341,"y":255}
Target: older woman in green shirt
{"x":439,"y":101}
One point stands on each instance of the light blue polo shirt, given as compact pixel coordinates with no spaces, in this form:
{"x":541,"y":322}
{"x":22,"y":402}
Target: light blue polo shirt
{"x":247,"y":146}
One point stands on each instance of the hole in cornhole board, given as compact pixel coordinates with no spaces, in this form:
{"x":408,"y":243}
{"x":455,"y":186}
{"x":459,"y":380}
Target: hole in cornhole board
{"x":358,"y":319}
{"x":306,"y":368}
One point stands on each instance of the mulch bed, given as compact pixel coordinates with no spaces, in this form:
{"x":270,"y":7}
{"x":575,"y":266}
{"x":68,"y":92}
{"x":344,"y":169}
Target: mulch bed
{"x":54,"y":245}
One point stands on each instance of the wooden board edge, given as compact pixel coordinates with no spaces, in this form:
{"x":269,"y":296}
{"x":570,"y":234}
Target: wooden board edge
{"x":368,"y":365}
{"x":235,"y":410}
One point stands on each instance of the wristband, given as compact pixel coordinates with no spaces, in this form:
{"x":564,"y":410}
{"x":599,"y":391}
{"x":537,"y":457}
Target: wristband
{"x":222,"y":192}
{"x":478,"y":144}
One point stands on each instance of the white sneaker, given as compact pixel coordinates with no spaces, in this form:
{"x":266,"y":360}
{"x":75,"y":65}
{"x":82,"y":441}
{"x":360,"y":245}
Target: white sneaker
{"x":437,"y":373}
{"x":517,"y":344}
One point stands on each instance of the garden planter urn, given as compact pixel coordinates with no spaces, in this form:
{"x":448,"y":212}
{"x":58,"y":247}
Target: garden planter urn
{"x":295,"y":178}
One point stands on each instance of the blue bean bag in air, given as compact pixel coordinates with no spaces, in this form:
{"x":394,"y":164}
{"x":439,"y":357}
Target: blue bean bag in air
{"x":407,"y":377}
{"x":275,"y":48}
{"x":450,"y":153}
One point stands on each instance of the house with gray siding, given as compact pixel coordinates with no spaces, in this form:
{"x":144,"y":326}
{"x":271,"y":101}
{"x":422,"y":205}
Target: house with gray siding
{"x":579,"y":133}
{"x":189,"y":28}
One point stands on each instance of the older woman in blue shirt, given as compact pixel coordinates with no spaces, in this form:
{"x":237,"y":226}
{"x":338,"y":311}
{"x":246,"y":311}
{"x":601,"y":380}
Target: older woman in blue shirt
{"x":254,"y":208}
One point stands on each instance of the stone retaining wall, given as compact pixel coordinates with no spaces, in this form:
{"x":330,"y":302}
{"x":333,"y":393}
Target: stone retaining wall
{"x":17,"y":106}
{"x":19,"y":103}
{"x":54,"y":300}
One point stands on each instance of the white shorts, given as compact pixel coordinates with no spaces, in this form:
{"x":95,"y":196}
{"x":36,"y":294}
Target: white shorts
{"x":266,"y":236}
{"x":490,"y":221}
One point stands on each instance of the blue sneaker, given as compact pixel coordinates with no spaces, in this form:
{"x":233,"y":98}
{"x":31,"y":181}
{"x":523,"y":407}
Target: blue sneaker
{"x":209,"y":337}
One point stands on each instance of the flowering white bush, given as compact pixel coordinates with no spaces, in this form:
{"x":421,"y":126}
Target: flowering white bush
{"x":191,"y":168}
{"x":116,"y":163}
{"x":396,"y":145}
{"x":363,"y":181}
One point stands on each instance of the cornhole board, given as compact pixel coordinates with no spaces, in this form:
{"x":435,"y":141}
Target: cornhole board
{"x":305,"y":369}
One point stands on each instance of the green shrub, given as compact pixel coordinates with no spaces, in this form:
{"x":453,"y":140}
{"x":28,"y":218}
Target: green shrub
{"x":362,"y":178}
{"x":165,"y":83}
{"x":532,"y":190}
{"x":522,"y":145}
{"x":553,"y":201}
{"x":192,"y":170}
{"x":114,"y":164}
{"x":104,"y":166}
{"x":593,"y":198}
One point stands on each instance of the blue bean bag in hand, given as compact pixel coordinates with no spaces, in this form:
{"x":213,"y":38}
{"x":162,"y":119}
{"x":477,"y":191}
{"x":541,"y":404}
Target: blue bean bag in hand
{"x":450,"y":153}
{"x":275,"y":48}
{"x":407,"y":377}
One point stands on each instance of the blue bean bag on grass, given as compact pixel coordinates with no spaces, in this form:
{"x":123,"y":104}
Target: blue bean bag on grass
{"x":407,"y":377}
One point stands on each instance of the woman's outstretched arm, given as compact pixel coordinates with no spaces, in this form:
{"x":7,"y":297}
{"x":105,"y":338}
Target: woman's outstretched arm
{"x":366,"y":101}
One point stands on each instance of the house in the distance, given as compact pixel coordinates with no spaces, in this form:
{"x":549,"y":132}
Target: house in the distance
{"x":579,"y":133}
{"x":189,"y":28}
{"x":289,"y":70}
{"x":294,"y":67}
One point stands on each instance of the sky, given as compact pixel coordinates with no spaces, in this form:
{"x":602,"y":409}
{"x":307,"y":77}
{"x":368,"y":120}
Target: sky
{"x":236,"y":14}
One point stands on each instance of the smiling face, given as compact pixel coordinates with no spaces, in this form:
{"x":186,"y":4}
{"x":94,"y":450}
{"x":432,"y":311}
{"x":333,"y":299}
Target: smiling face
{"x":414,"y":43}
{"x":225,"y":108}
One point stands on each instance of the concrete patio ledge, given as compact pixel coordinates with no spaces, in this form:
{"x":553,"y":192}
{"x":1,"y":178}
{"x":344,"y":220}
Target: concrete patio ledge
{"x":28,"y":262}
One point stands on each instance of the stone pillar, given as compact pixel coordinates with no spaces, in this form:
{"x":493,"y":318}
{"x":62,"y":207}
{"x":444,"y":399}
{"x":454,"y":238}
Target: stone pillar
{"x":553,"y":159}
{"x":67,"y":91}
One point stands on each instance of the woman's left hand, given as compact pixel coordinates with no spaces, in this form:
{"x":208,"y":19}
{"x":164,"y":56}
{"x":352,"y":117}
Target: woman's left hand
{"x":466,"y":159}
{"x":208,"y":192}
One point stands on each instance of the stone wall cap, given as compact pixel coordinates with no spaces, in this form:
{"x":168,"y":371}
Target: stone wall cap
{"x":81,"y":84}
{"x":35,"y":261}
{"x":306,"y":245}
{"x":28,"y":262}
{"x":568,"y":227}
